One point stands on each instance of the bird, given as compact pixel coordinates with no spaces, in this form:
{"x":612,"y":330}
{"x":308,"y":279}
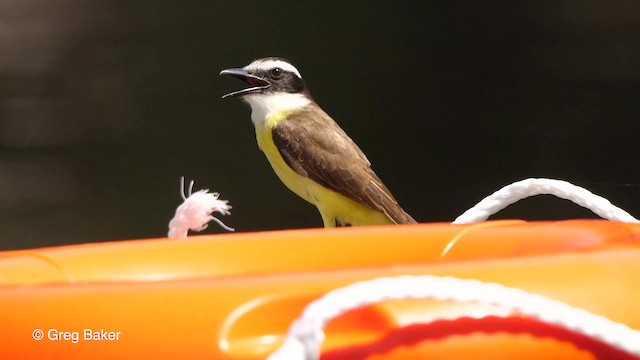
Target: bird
{"x":309,"y":151}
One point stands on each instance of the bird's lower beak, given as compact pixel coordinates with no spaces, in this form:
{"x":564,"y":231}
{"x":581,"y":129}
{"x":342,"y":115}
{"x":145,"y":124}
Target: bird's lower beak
{"x":257,"y":83}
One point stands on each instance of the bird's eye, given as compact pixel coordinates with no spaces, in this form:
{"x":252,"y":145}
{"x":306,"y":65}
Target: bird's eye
{"x":276,"y":73}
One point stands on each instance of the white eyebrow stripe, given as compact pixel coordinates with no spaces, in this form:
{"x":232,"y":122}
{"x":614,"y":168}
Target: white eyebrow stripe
{"x":270,"y":64}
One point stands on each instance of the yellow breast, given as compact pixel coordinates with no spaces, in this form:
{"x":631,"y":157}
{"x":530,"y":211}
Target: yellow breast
{"x":296,"y":183}
{"x":331,"y":204}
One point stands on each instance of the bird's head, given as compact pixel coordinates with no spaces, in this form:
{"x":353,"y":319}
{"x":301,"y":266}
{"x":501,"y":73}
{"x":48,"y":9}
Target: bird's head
{"x":274,"y":85}
{"x":267,"y":76}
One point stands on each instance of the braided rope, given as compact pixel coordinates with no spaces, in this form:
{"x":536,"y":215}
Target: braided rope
{"x":530,"y":187}
{"x":306,"y":334}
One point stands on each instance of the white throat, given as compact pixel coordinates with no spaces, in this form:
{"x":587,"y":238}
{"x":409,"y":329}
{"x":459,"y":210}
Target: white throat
{"x":264,"y":105}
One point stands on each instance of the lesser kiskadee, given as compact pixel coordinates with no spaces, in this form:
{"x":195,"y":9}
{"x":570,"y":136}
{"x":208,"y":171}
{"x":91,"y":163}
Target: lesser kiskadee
{"x":309,"y":152}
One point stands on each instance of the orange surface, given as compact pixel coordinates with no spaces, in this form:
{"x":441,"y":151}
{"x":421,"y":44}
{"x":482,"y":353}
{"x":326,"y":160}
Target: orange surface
{"x":233,"y":296}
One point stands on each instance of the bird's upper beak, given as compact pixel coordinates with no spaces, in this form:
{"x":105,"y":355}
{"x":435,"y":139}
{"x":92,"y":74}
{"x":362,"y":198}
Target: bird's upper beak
{"x":257,"y":83}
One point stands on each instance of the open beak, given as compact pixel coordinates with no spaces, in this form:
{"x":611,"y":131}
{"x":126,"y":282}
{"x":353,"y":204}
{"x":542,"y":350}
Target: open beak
{"x":257,"y":83}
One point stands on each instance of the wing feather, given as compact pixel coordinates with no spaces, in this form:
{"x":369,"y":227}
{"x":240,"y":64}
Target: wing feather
{"x":314,"y":146}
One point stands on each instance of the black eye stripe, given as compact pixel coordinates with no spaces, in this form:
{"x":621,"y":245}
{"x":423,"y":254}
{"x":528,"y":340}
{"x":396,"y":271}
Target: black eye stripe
{"x":276,"y":72}
{"x":280,"y":80}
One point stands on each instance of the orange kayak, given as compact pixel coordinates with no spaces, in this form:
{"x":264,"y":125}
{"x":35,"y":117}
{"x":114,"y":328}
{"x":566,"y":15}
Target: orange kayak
{"x":234,"y":296}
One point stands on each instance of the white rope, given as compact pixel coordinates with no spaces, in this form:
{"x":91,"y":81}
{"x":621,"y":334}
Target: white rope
{"x":306,"y":335}
{"x":530,"y":187}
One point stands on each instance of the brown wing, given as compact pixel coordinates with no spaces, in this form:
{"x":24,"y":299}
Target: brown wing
{"x":314,"y":146}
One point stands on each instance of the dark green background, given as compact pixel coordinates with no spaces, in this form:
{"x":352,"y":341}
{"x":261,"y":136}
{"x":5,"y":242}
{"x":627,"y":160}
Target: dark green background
{"x":105,"y":104}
